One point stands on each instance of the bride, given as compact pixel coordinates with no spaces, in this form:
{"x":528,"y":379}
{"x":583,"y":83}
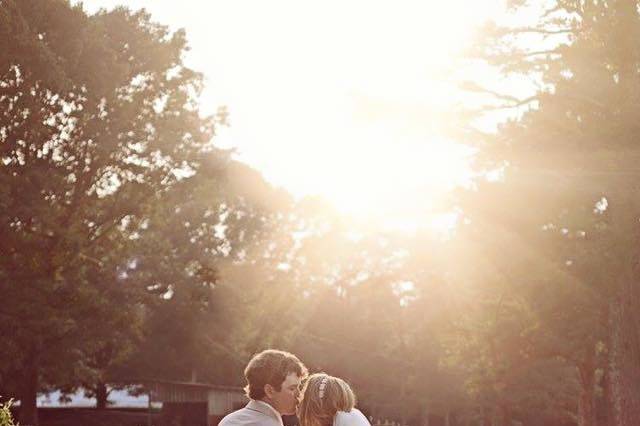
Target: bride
{"x":329,"y":401}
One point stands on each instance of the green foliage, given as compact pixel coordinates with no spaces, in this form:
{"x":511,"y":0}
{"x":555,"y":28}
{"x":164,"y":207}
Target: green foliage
{"x":99,"y":120}
{"x":6,"y":418}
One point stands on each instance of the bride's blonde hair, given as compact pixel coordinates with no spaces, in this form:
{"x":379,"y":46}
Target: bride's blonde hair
{"x":322,"y":397}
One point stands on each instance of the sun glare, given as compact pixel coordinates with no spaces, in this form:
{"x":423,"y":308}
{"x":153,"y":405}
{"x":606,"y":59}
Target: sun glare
{"x":358,"y":107}
{"x":403,"y":181}
{"x":335,"y":98}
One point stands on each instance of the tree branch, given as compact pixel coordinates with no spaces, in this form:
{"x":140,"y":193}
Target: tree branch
{"x":523,"y":30}
{"x":555,"y":51}
{"x":515,"y":104}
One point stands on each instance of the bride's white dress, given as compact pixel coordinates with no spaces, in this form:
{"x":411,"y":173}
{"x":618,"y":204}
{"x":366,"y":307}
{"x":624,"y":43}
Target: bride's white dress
{"x":351,"y":418}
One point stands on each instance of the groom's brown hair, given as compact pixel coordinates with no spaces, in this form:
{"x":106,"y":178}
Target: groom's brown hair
{"x":271,"y":367}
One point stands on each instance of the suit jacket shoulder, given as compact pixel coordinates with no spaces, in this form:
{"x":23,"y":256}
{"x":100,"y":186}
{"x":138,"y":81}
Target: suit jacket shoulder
{"x":253,"y":414}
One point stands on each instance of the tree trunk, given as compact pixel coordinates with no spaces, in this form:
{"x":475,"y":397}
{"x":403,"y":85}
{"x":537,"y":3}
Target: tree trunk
{"x":624,"y":358}
{"x":606,"y":392}
{"x":28,"y":413}
{"x":505,"y":416}
{"x":586,"y":403}
{"x":101,"y":396}
{"x":487,"y":418}
{"x":425,"y":416}
{"x":403,"y":399}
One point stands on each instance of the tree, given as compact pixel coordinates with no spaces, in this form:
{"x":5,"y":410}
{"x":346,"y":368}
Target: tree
{"x":211,"y":252}
{"x":99,"y":118}
{"x":567,"y":160}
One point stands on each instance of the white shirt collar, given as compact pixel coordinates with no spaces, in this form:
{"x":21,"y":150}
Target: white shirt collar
{"x":275,"y":412}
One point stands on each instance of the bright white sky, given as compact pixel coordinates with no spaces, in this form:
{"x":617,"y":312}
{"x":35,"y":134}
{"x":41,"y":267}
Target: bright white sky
{"x":333,"y":97}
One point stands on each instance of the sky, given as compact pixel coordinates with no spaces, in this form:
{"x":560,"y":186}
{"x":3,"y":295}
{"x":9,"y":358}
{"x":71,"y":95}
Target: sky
{"x":334,"y":98}
{"x":117,"y":398}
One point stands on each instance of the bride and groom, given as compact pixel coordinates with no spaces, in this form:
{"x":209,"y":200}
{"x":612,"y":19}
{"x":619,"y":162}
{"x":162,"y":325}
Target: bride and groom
{"x":274,"y":382}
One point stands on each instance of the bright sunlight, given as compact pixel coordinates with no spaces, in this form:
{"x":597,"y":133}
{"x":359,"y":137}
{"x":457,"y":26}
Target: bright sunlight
{"x":336,"y":99}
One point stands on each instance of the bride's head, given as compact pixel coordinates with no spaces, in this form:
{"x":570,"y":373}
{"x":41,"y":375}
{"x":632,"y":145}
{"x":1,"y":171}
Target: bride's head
{"x":322,"y":397}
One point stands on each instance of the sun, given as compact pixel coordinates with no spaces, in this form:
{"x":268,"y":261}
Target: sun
{"x":383,"y":175}
{"x":335,"y":98}
{"x":351,"y":115}
{"x":387,"y":174}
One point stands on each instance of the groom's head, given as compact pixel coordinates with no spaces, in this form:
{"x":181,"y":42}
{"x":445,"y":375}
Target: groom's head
{"x":274,"y":377}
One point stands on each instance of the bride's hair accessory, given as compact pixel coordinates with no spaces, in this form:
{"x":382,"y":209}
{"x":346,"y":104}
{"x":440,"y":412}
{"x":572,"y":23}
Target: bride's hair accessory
{"x":323,"y":385}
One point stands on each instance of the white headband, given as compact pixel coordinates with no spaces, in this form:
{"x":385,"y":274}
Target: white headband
{"x":323,"y":385}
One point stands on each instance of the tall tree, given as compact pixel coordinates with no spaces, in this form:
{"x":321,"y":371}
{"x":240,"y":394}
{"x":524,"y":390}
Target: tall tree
{"x":568,"y":169}
{"x":98,"y":118}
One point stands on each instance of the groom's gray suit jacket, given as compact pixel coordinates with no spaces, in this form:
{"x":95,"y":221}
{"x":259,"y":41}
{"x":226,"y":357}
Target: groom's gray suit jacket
{"x":253,"y":414}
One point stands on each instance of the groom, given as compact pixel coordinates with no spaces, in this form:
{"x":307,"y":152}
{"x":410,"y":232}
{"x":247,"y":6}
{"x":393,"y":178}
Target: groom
{"x":273,"y":387}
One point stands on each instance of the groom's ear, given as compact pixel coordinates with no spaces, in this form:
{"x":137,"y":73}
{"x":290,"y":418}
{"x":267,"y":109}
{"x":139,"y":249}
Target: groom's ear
{"x":269,"y":390}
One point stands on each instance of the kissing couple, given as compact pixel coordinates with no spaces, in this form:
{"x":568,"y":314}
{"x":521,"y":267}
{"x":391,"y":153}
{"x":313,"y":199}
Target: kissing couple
{"x":275,"y":388}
